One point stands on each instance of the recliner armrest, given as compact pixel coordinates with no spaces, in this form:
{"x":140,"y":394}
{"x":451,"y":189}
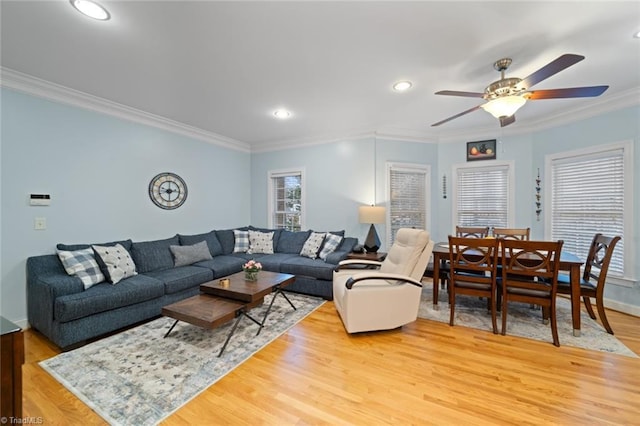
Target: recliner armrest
{"x":345,"y":264}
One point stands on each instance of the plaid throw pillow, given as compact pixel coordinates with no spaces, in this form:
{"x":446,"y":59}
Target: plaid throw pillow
{"x":242,"y":241}
{"x":83,"y":265}
{"x":331,"y":243}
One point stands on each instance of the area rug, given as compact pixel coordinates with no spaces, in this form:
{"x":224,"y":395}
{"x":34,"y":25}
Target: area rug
{"x":137,"y":377}
{"x":523,"y":321}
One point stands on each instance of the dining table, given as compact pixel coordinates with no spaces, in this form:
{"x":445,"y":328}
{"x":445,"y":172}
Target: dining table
{"x":568,"y":262}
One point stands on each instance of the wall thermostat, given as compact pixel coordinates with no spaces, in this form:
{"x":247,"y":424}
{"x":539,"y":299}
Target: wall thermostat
{"x":40,"y":199}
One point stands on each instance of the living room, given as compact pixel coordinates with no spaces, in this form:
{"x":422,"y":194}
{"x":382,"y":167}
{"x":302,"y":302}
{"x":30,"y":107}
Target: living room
{"x":96,"y":159}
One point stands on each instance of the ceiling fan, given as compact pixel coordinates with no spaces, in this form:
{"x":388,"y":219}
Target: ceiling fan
{"x":506,"y":95}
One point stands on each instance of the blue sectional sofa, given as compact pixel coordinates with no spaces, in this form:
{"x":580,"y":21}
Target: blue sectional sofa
{"x":62,"y":309}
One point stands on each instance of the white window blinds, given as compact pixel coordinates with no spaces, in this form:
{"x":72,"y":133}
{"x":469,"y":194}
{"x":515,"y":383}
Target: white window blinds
{"x":286,"y":201}
{"x":407,"y":198}
{"x":482,"y":196}
{"x":588,"y":198}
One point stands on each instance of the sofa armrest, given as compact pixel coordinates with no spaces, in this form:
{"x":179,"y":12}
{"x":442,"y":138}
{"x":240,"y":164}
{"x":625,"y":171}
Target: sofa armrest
{"x":46,"y":281}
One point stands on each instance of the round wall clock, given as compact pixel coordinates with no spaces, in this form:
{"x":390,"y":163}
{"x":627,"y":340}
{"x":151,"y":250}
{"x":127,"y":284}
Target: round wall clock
{"x":168,"y":191}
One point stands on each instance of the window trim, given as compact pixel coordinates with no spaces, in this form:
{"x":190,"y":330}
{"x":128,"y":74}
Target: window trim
{"x":270,"y":190}
{"x":409,"y":167}
{"x":511,"y":190}
{"x":628,"y":229}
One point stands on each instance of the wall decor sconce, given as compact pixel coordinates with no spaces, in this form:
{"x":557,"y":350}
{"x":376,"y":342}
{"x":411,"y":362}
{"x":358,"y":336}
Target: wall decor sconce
{"x":444,"y":186}
{"x":538,"y":204}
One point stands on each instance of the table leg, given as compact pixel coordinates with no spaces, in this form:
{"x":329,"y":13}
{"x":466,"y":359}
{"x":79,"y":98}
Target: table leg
{"x":436,"y":280}
{"x":574,"y":275}
{"x":174,"y":324}
{"x":278,"y":291}
{"x":233,"y":330}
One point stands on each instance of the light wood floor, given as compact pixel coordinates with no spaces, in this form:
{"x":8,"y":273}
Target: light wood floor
{"x":424,"y":373}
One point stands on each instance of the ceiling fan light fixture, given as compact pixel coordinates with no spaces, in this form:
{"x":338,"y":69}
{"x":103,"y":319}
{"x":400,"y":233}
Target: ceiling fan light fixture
{"x":91,"y":9}
{"x":504,"y":106}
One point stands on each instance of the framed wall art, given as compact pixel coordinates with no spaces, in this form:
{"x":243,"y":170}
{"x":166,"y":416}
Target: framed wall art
{"x":481,"y":150}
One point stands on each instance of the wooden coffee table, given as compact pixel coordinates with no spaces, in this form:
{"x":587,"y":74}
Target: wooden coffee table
{"x":220,"y":303}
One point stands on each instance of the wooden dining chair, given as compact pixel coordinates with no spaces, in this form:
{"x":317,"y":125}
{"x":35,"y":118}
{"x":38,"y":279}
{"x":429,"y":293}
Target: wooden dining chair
{"x":512,"y":233}
{"x":530,"y":275}
{"x":594,"y":276}
{"x":472,"y":231}
{"x":473,"y":266}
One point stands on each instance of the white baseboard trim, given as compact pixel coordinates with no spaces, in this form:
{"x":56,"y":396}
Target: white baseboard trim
{"x":622,"y":307}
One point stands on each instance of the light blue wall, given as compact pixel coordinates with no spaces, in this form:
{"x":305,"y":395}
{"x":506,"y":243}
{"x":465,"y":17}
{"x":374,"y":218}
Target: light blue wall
{"x":340,"y":177}
{"x":97,"y":169}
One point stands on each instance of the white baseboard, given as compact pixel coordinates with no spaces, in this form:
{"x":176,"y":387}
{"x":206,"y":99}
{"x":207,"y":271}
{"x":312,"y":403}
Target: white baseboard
{"x":622,"y":307}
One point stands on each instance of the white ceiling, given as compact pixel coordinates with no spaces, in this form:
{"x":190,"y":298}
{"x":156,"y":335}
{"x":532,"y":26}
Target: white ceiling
{"x":224,"y":67}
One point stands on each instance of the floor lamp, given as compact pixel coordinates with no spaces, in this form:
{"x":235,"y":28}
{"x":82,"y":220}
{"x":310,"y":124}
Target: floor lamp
{"x":372,"y":215}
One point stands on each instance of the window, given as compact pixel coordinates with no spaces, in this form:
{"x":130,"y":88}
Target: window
{"x":407,"y":188}
{"x":588,"y":193}
{"x":482,"y":195}
{"x":286,"y":206}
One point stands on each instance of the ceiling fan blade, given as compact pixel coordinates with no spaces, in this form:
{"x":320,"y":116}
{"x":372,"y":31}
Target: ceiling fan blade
{"x":456,"y":93}
{"x":505,"y":121}
{"x":553,"y":67}
{"x":570,"y":92}
{"x":455,"y":116}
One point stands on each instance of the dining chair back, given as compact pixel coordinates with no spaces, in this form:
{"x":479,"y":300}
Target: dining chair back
{"x":472,"y":231}
{"x":473,"y":266}
{"x":594,"y":277}
{"x":530,"y":275}
{"x":512,"y":233}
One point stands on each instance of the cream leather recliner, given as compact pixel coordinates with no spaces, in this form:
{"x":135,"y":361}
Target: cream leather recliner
{"x":386,"y":297}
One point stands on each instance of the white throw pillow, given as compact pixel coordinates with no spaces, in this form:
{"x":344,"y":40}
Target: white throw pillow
{"x":312,"y":245}
{"x":260,"y":242}
{"x":117,"y":261}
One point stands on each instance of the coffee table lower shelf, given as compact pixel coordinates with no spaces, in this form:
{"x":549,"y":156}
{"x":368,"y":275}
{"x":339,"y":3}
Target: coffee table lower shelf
{"x":210,"y":312}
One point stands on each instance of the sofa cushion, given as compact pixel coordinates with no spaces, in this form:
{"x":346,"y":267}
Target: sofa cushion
{"x":223,"y":265}
{"x":153,"y":255}
{"x":312,"y":245}
{"x":273,"y":262}
{"x":260,"y":242}
{"x":182,"y":278}
{"x":187,"y":255}
{"x":215,"y":248}
{"x":292,"y":241}
{"x":83,"y":265}
{"x":71,"y":247}
{"x":117,"y":262}
{"x":316,"y":268}
{"x":105,"y":297}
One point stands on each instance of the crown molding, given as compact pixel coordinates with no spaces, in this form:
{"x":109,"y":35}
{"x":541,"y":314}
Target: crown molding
{"x":45,"y":89}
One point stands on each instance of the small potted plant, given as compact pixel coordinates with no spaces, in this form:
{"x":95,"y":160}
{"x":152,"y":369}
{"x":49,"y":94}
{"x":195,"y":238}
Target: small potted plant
{"x":251,"y":269}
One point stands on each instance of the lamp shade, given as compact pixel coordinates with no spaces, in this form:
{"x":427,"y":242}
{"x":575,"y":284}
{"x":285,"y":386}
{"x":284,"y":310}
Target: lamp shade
{"x":371,"y":214}
{"x":505,"y":106}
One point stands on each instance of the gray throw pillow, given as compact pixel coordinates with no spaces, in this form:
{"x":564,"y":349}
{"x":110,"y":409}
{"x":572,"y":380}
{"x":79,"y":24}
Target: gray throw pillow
{"x":187,"y":255}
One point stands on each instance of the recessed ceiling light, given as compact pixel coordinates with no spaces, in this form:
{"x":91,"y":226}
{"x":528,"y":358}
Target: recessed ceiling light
{"x":91,"y":9}
{"x":637,"y":34}
{"x":282,"y":113}
{"x":401,"y":86}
